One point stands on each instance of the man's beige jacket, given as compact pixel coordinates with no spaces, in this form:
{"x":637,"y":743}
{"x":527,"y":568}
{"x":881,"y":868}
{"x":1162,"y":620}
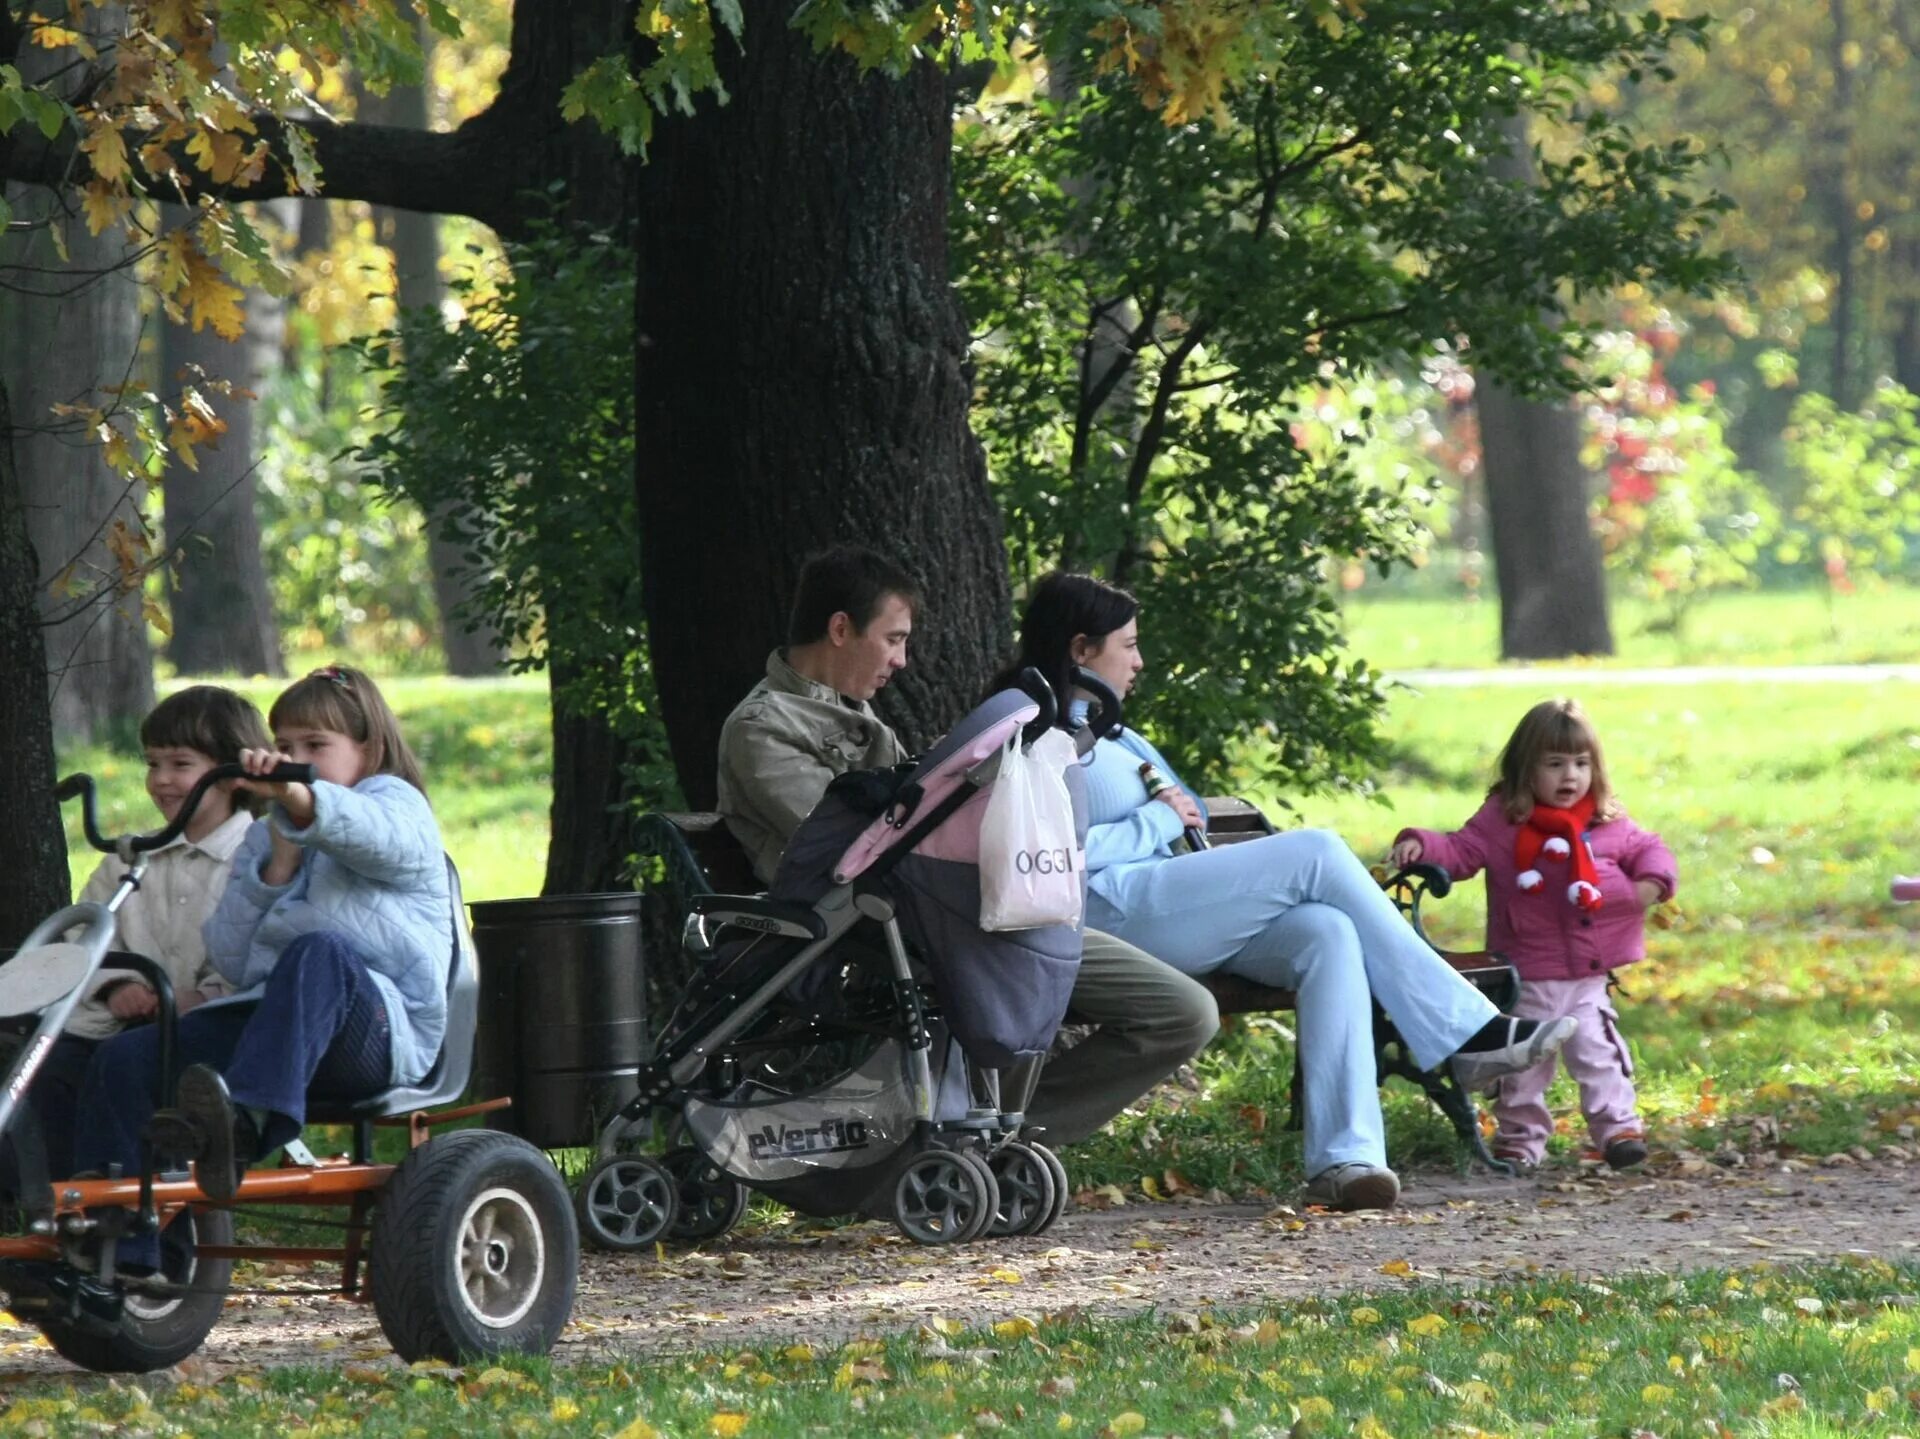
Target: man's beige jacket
{"x":780,"y":749}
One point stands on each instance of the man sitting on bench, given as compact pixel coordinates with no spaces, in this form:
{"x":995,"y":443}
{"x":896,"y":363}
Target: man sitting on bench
{"x":809,"y":721}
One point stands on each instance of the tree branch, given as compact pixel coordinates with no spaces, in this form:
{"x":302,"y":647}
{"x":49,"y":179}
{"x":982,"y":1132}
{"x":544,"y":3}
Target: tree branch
{"x":1149,"y":445}
{"x":482,"y":170}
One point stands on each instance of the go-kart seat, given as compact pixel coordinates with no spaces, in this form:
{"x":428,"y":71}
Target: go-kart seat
{"x":453,"y":1067}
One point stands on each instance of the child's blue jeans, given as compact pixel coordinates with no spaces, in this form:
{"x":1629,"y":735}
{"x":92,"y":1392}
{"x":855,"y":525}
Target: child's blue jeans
{"x":320,"y":1027}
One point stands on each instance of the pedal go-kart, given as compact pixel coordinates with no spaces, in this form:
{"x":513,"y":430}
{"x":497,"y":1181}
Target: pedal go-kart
{"x":468,"y":1246}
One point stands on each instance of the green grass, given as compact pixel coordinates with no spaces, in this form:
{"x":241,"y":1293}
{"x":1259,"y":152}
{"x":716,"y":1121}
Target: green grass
{"x":1789,"y":627}
{"x":1821,"y":1351}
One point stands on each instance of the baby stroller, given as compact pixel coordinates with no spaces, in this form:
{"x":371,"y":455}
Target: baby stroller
{"x":813,"y":1060}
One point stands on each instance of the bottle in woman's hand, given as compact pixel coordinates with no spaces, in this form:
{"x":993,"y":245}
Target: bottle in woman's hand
{"x":1158,"y":784}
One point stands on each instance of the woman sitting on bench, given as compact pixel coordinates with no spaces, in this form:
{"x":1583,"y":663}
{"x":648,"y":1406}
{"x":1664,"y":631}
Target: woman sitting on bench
{"x":1296,"y":911}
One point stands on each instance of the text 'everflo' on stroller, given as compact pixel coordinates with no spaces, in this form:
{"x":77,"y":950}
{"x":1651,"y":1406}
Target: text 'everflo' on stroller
{"x":809,"y":1061}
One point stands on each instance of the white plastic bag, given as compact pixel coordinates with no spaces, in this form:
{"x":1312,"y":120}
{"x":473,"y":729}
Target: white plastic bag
{"x":1030,"y":858}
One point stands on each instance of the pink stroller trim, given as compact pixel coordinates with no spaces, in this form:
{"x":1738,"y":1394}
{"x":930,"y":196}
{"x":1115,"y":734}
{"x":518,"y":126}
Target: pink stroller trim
{"x":936,"y":785}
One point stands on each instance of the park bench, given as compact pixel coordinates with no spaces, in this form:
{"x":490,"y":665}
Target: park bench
{"x":688,"y":854}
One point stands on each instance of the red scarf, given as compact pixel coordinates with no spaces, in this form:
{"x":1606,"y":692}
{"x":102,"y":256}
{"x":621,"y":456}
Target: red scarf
{"x":1559,"y":834}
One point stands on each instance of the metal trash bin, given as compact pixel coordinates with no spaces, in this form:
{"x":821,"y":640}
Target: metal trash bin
{"x":562,"y":1025}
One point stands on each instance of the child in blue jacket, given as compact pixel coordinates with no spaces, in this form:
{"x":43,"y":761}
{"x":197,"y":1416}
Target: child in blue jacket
{"x":336,"y":931}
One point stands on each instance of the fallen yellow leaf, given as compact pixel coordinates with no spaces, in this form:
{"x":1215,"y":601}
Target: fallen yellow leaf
{"x":727,"y":1423}
{"x":1399,"y":1268}
{"x":1427,"y":1325}
{"x":1130,"y":1422}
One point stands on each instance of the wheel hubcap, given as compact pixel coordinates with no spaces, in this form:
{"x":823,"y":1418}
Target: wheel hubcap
{"x":503,"y":1258}
{"x":626,"y":1199}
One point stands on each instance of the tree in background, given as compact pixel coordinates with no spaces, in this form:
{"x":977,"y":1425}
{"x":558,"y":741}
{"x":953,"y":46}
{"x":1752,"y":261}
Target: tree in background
{"x":517,"y":424}
{"x":1815,"y":112}
{"x":69,"y":309}
{"x":803,"y":373}
{"x":1151,"y":331}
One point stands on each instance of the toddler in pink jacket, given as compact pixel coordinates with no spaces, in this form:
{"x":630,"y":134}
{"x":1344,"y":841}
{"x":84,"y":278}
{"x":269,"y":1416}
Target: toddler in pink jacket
{"x":1569,"y":881}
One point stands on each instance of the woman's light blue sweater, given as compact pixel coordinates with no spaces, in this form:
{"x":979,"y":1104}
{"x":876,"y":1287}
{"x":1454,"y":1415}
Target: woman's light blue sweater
{"x":1125,"y":828}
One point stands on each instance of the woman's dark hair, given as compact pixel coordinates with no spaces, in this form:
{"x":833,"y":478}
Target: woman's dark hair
{"x":849,"y":579}
{"x":1061,"y":607}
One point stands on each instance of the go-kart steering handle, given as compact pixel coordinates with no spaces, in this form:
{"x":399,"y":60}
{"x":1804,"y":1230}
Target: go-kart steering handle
{"x":82,"y":786}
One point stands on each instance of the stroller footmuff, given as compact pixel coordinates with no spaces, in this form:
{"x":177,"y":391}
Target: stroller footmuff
{"x":818,"y":1060}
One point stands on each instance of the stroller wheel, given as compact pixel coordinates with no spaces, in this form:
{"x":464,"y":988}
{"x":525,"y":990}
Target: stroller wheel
{"x":984,"y":1221}
{"x":1062,"y":1187}
{"x":626,"y":1202}
{"x":711,"y":1200}
{"x":941,"y":1196}
{"x":1027,"y":1190}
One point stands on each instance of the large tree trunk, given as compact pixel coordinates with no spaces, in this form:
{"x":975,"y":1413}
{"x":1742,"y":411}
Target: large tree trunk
{"x":803,"y":379}
{"x":1906,"y":311}
{"x":1546,"y":560}
{"x":472,"y":649}
{"x":66,"y":340}
{"x":1843,"y":381}
{"x":221,"y":607}
{"x":592,"y":820}
{"x":1553,"y":590}
{"x":33,"y":850}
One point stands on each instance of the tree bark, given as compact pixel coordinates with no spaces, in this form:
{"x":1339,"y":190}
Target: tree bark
{"x":1844,"y":384}
{"x":1553,"y":590}
{"x":1546,"y":560}
{"x":472,"y":649}
{"x":1906,"y":312}
{"x":33,"y":849}
{"x":221,"y":607}
{"x":75,"y":334}
{"x":803,"y":380}
{"x":591,"y":829}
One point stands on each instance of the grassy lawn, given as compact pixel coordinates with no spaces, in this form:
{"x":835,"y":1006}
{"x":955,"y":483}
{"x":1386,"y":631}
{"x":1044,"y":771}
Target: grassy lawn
{"x":1878,"y":625}
{"x":1823,"y":1351}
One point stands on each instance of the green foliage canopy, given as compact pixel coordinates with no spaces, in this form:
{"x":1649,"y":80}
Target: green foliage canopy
{"x":514,"y":429}
{"x":1153,"y":301}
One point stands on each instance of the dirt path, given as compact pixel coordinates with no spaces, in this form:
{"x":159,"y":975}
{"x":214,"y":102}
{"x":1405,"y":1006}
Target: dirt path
{"x":809,"y":1285}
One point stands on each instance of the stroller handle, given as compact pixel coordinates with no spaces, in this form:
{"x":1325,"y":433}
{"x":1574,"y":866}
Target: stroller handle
{"x":81,"y":785}
{"x":1104,"y":720}
{"x":1034,"y":686}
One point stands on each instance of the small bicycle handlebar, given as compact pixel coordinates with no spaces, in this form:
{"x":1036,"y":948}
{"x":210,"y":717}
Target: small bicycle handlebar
{"x":81,"y":785}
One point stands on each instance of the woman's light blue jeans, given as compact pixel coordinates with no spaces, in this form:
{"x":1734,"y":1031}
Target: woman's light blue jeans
{"x":1300,"y":912}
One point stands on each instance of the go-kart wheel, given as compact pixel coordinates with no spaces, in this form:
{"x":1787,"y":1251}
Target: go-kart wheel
{"x":627,"y":1202}
{"x":940,"y":1197}
{"x":475,"y":1250}
{"x":711,"y":1200}
{"x":156,"y":1331}
{"x":1062,"y":1187}
{"x":1027,"y":1190}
